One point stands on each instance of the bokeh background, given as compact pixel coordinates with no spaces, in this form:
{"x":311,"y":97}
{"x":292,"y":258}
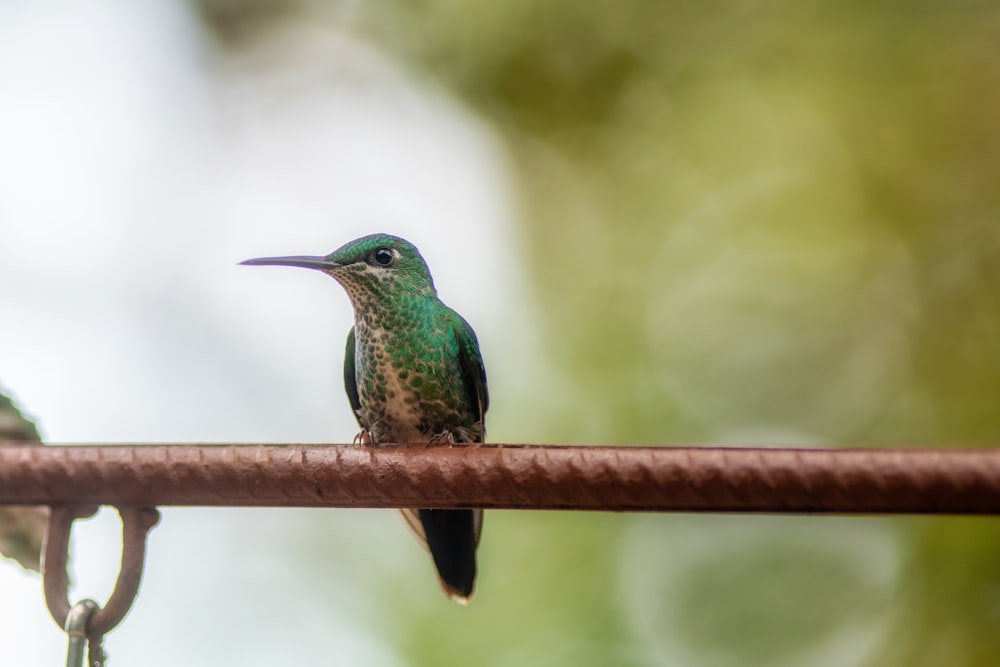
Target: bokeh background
{"x":741,"y":223}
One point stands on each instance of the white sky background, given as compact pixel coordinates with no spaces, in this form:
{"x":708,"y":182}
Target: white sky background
{"x":137,"y":167}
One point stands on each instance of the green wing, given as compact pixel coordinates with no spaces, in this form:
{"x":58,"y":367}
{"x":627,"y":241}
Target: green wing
{"x":350,"y":379}
{"x":473,"y":371}
{"x":452,"y":536}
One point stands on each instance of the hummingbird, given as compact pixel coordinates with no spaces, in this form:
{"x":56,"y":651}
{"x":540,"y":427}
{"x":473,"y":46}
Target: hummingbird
{"x":414,"y":375}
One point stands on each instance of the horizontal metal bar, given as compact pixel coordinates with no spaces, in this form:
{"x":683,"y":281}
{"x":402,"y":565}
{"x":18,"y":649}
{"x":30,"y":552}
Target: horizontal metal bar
{"x":845,"y":481}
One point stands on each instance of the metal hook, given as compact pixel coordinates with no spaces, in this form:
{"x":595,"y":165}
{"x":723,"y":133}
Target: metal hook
{"x":136,"y":524}
{"x":76,"y":627}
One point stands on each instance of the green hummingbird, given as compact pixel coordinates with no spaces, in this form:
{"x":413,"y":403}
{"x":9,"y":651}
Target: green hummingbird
{"x":413,"y":374}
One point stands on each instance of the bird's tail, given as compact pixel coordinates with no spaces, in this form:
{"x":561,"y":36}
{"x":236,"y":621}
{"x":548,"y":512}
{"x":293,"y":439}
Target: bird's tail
{"x":451,"y":536}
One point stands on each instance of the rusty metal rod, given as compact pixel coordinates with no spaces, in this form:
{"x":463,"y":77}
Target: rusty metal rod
{"x":843,"y":481}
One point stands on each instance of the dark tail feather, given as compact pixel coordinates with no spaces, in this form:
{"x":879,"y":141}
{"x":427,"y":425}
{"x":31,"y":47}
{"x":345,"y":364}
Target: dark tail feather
{"x":452,"y":536}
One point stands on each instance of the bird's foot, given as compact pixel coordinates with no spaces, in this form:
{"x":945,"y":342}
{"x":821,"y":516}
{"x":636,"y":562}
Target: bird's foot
{"x":443,"y":438}
{"x":364,"y":438}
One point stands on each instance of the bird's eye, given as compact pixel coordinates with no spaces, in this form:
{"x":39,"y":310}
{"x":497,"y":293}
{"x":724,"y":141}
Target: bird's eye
{"x":384,"y":256}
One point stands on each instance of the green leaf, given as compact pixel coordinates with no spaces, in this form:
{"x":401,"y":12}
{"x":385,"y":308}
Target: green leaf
{"x":21,"y":528}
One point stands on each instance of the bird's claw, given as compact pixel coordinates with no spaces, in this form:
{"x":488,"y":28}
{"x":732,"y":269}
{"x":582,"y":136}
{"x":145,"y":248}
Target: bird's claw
{"x":363,"y":439}
{"x":443,"y":438}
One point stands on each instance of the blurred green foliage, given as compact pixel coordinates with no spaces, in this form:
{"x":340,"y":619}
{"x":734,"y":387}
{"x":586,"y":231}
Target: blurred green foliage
{"x":14,"y":425}
{"x":21,"y":528}
{"x":747,"y":222}
{"x":789,"y":210}
{"x":751,"y":222}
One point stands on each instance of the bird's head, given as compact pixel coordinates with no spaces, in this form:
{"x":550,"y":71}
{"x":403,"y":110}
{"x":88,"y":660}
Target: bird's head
{"x":375,"y":266}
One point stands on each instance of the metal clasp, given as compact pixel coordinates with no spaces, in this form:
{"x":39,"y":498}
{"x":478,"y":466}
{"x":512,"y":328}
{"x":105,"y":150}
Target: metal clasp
{"x":86,"y":622}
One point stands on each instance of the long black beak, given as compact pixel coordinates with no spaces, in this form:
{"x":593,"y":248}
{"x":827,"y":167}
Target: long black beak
{"x":305,"y":261}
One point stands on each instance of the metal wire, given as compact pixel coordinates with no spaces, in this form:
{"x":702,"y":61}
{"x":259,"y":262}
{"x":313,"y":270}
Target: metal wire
{"x":846,"y":481}
{"x":76,"y":627}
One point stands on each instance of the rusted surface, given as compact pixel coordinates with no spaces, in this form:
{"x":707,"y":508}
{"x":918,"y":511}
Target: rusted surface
{"x":136,"y":524}
{"x":55,"y":548}
{"x":507,"y":476}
